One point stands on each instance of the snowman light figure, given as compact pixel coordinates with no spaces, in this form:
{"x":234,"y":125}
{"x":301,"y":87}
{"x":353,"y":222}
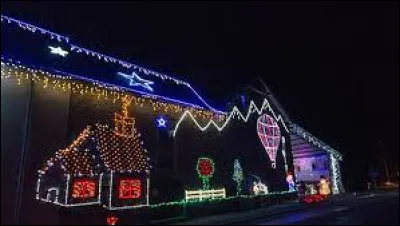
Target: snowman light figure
{"x":260,"y":188}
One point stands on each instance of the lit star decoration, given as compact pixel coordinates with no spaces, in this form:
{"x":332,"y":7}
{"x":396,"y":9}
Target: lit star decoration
{"x":135,"y":80}
{"x":161,"y":122}
{"x":58,"y":51}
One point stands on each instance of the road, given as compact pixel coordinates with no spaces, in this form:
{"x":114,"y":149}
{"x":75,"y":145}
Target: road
{"x":369,"y":209}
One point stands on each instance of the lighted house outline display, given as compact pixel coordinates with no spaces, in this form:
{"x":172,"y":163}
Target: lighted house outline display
{"x":89,"y":170}
{"x":116,"y":153}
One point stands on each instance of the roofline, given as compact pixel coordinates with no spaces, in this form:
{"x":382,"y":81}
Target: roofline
{"x":314,"y":140}
{"x":106,"y":58}
{"x":296,"y":128}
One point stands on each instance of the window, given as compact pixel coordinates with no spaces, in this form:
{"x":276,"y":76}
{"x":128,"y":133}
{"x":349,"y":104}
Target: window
{"x":84,"y":188}
{"x":130,"y":189}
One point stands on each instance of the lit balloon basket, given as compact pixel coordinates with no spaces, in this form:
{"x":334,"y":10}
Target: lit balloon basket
{"x":270,"y":135}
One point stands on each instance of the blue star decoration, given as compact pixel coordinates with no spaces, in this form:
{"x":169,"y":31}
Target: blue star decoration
{"x":58,"y":51}
{"x":161,"y":122}
{"x":135,"y":80}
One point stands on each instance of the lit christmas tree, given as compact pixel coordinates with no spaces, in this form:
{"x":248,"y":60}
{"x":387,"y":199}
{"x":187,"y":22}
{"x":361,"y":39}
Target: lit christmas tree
{"x":238,"y":176}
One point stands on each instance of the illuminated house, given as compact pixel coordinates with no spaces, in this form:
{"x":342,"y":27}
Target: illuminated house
{"x":57,"y":95}
{"x":312,"y":158}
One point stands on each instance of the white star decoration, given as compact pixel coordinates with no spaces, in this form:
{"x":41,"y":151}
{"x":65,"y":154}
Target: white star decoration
{"x":135,"y":80}
{"x":58,"y":51}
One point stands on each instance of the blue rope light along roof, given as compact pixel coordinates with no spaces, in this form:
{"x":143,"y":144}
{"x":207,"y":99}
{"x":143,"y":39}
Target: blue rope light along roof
{"x":40,"y":48}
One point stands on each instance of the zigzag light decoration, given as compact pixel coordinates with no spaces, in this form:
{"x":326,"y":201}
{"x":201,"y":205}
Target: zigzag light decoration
{"x":235,"y":111}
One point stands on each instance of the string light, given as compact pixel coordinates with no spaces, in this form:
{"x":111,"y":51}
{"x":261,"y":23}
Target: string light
{"x":260,"y":188}
{"x":49,"y":190}
{"x":238,"y":176}
{"x":38,"y":186}
{"x":100,"y":187}
{"x":105,"y":58}
{"x":312,"y":139}
{"x":269,"y":133}
{"x":83,"y":163}
{"x":120,"y":150}
{"x":135,"y":80}
{"x":112,"y":220}
{"x":235,"y":112}
{"x":205,"y":194}
{"x":84,"y":188}
{"x":67,"y":189}
{"x":181,"y":203}
{"x":284,"y":154}
{"x":336,"y":175}
{"x":334,"y":156}
{"x":58,"y":51}
{"x":101,"y":91}
{"x":110,"y":194}
{"x":205,"y":169}
{"x":130,"y":189}
{"x":71,"y":159}
{"x":33,"y":29}
{"x":161,"y":122}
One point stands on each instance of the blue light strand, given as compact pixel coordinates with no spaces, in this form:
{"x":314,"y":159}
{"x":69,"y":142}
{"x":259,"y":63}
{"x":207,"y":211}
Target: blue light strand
{"x":106,"y":58}
{"x":33,"y":28}
{"x":109,"y":85}
{"x":136,"y":80}
{"x":204,"y":102}
{"x":125,"y":64}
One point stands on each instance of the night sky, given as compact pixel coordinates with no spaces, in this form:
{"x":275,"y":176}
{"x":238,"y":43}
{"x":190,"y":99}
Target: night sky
{"x":333,"y":66}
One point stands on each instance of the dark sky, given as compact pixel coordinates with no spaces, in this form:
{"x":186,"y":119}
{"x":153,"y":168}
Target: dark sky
{"x":333,"y":66}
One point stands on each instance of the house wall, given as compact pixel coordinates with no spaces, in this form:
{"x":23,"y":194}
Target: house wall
{"x":31,"y":138}
{"x":14,"y":112}
{"x":238,"y":140}
{"x":44,"y":120}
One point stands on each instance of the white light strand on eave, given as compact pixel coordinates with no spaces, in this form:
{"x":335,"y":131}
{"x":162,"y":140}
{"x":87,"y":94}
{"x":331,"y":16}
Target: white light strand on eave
{"x":252,"y":108}
{"x":311,"y":139}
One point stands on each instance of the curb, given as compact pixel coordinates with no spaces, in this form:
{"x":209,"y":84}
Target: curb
{"x":261,"y":212}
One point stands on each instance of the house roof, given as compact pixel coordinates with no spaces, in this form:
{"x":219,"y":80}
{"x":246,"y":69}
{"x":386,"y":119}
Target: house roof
{"x":39,"y":48}
{"x":304,"y":144}
{"x":77,"y":158}
{"x":97,"y":149}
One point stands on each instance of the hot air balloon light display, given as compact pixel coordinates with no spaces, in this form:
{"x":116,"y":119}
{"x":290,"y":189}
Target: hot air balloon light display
{"x":269,"y":134}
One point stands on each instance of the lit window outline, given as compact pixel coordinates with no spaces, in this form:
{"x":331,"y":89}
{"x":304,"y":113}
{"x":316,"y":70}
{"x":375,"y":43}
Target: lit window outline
{"x":130,"y":188}
{"x":84,"y":188}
